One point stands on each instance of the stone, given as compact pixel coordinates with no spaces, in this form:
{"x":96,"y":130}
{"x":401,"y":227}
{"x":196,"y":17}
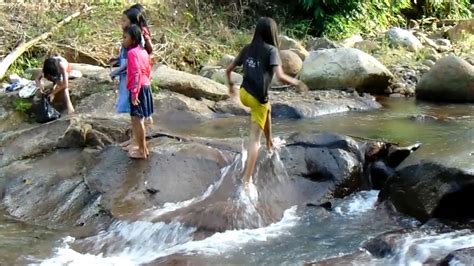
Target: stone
{"x":301,"y":53}
{"x":461,"y":30}
{"x":303,"y":106}
{"x":220,"y":77}
{"x":208,"y":71}
{"x":450,"y":80}
{"x":321,"y":44}
{"x":193,"y":86}
{"x":176,"y":112}
{"x":95,"y":73}
{"x":351,"y":41}
{"x":423,"y":118}
{"x":430,"y":190}
{"x":287,"y":43}
{"x":226,"y":60}
{"x":433,"y":57}
{"x":428,"y":63}
{"x":459,"y":257}
{"x":401,"y":37}
{"x":443,"y":42}
{"x":345,"y":68}
{"x":291,"y":62}
{"x":367,"y":46}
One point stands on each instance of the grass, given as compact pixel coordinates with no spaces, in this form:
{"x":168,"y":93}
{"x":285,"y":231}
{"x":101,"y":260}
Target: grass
{"x":21,"y":105}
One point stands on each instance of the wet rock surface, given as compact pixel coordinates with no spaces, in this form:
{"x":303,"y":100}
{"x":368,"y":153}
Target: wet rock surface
{"x":431,"y":190}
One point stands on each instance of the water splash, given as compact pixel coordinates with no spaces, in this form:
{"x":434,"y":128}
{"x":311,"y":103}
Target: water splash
{"x":359,"y":203}
{"x":142,"y":242}
{"x":416,"y":250}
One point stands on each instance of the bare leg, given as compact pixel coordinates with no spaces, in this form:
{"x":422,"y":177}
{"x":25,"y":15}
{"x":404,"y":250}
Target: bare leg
{"x":67,"y":100}
{"x":139,"y":136}
{"x":267,"y":131}
{"x":253,"y":146}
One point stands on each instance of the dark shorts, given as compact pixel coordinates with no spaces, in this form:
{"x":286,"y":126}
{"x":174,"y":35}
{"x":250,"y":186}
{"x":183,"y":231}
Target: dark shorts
{"x":145,"y":108}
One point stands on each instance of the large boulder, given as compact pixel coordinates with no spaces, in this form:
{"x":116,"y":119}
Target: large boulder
{"x":288,"y":105}
{"x":96,"y":73}
{"x":450,"y":80}
{"x":462,"y":30}
{"x":188,"y":84}
{"x":291,"y":62}
{"x":286,"y":43}
{"x":345,"y":68}
{"x":332,"y":162}
{"x":430,"y":190}
{"x":174,"y":111}
{"x":400,"y":37}
{"x":220,"y":77}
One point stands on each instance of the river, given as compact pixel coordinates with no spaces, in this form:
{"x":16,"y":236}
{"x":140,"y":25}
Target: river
{"x":304,"y":234}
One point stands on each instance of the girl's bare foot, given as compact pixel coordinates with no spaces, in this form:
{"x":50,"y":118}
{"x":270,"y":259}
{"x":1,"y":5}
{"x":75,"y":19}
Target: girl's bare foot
{"x":136,"y":154}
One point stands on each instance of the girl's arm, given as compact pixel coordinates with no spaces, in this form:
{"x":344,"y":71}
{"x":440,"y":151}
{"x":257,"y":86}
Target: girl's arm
{"x":119,"y":70}
{"x":284,"y":78}
{"x":39,"y":81}
{"x":133,"y":76}
{"x":228,"y":73}
{"x":147,"y":38}
{"x":148,"y":45}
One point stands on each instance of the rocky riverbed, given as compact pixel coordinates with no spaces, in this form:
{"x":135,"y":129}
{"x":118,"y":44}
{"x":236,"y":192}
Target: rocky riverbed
{"x":70,"y":175}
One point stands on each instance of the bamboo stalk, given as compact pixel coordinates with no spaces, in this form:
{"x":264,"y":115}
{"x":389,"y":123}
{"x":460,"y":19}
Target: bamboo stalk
{"x":18,"y":51}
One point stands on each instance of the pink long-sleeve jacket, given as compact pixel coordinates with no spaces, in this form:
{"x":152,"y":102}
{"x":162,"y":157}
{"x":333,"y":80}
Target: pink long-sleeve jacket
{"x":138,"y":70}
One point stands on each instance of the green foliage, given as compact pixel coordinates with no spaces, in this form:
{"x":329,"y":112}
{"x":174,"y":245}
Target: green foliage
{"x":21,"y":105}
{"x":24,"y":62}
{"x":341,"y":18}
{"x":450,"y":9}
{"x":154,"y":87}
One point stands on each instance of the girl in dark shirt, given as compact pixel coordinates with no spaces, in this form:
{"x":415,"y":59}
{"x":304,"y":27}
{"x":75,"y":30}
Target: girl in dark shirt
{"x":260,"y":60}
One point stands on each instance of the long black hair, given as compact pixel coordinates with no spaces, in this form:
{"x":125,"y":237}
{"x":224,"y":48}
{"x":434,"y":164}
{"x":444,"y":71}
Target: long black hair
{"x":51,"y":69}
{"x":266,"y":31}
{"x":142,"y":16}
{"x":136,"y":16}
{"x":133,"y":15}
{"x":135,"y":33}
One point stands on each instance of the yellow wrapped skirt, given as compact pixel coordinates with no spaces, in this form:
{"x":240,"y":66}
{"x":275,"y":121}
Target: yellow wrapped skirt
{"x":258,"y":111}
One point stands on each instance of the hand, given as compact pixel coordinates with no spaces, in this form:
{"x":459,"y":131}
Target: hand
{"x":112,"y":61}
{"x":135,"y":102}
{"x":51,"y":97}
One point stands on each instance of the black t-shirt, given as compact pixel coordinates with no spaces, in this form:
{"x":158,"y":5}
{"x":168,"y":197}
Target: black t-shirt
{"x":258,"y":63}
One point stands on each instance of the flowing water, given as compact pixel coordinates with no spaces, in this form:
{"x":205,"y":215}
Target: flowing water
{"x":303,"y":234}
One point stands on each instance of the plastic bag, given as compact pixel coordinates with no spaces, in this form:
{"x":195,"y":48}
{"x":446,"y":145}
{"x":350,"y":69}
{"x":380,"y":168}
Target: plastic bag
{"x":46,"y":112}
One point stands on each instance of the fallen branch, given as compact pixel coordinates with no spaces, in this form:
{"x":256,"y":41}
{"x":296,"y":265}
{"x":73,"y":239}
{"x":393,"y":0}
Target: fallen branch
{"x":18,"y":51}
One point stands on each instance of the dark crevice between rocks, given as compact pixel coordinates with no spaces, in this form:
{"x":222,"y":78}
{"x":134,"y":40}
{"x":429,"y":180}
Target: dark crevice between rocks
{"x":456,"y":205}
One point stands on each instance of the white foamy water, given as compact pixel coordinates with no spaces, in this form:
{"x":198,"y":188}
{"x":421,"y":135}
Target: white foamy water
{"x":415,"y":251}
{"x":141,"y":242}
{"x":358,"y":204}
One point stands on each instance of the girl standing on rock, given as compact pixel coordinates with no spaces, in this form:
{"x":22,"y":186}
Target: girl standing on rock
{"x":138,"y":83}
{"x":260,"y":60}
{"x":132,"y":16}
